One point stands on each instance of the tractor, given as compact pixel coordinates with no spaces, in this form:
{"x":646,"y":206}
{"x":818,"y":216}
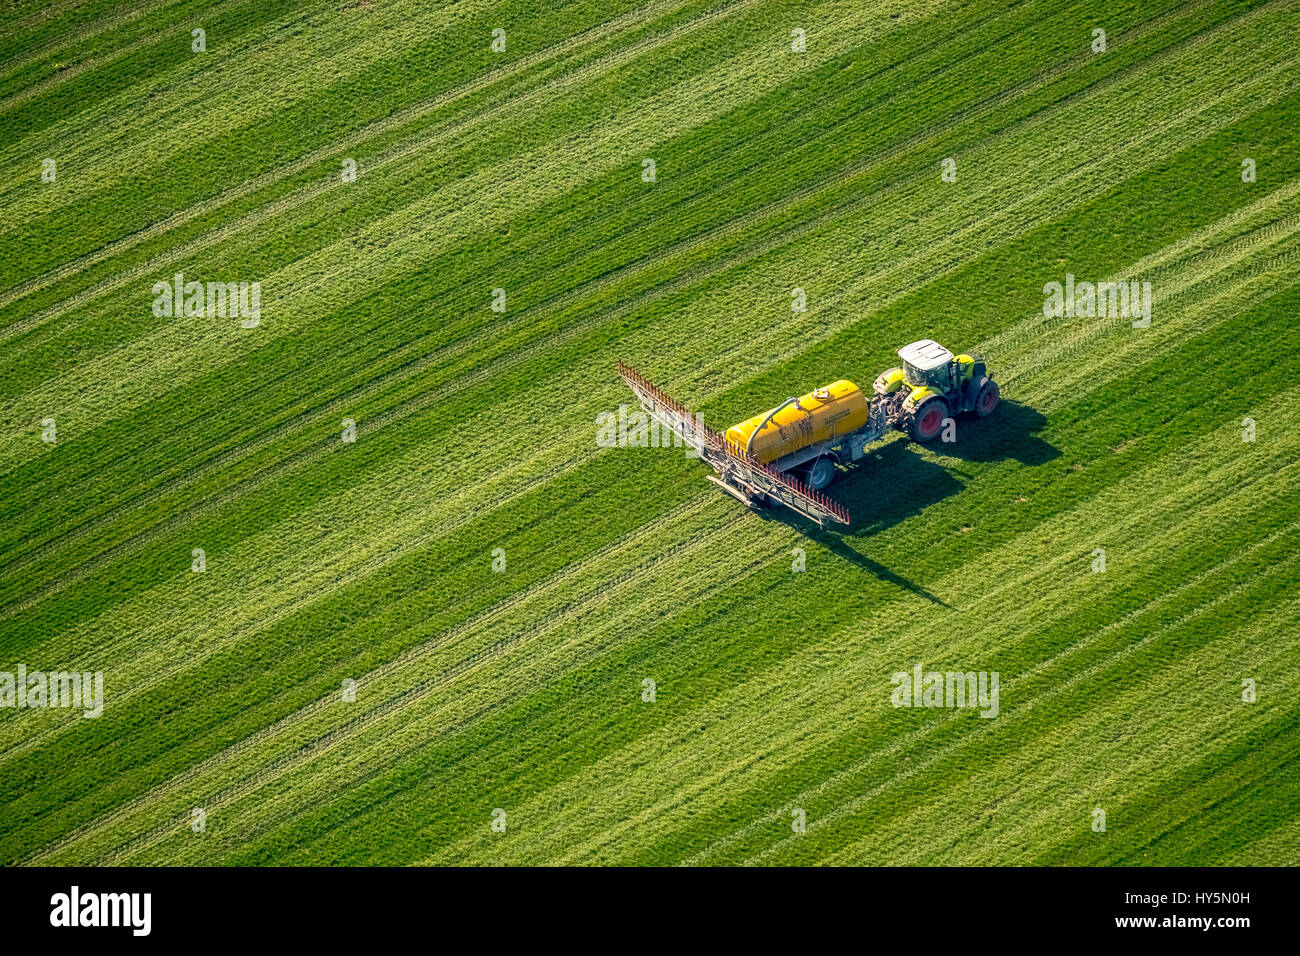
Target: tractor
{"x":933,"y":385}
{"x":788,"y":455}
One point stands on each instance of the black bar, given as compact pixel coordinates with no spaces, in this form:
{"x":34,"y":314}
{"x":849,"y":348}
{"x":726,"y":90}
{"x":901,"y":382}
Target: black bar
{"x":947,"y":907}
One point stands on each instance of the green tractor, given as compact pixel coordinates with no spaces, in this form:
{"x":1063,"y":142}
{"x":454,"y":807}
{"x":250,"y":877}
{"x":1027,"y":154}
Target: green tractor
{"x":932,"y":385}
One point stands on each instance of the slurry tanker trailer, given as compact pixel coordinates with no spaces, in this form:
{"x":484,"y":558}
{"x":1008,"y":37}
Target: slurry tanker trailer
{"x":790,"y":454}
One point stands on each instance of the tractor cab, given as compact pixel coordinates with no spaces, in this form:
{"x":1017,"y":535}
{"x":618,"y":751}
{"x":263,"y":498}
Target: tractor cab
{"x":928,"y":363}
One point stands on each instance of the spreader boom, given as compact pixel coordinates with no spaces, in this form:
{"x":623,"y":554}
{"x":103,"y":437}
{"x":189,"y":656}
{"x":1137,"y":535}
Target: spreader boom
{"x":739,"y":474}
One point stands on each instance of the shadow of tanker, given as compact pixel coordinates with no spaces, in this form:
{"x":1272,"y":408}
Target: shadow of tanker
{"x":894,"y":482}
{"x":888,"y":485}
{"x":834,"y":542}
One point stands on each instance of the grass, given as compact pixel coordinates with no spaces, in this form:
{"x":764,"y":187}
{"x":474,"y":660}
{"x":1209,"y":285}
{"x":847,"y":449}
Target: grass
{"x":522,"y":690}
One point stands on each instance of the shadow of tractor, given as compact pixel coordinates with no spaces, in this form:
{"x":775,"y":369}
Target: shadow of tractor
{"x":1010,"y":432}
{"x":895,"y":481}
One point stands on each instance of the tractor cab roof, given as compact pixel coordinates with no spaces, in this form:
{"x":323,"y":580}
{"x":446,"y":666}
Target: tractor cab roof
{"x":925,"y":355}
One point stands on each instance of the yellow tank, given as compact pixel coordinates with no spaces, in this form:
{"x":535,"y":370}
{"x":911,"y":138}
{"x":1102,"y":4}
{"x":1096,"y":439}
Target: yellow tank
{"x":835,"y":410}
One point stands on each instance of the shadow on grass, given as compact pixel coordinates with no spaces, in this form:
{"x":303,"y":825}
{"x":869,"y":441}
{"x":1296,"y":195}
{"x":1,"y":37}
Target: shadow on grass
{"x":896,"y":481}
{"x":885,"y":487}
{"x":834,"y":542}
{"x":1010,"y":432}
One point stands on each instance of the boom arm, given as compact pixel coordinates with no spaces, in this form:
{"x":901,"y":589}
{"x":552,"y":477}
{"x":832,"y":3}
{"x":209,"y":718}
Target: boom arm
{"x":738,"y":472}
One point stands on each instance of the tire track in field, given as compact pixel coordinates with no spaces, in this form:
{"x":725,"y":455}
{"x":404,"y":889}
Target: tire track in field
{"x":1178,"y":494}
{"x":918,"y":735}
{"x":174,"y":825}
{"x":394,"y":154}
{"x":265,"y":68}
{"x":602,"y":282}
{"x":1074,"y":680}
{"x":482,"y":333}
{"x":1224,"y":475}
{"x":597,"y":594}
{"x":380,"y":384}
{"x":462,"y":516}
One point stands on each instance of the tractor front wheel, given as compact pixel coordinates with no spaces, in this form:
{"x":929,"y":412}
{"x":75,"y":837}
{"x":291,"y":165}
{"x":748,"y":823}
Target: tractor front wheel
{"x":987,"y":399}
{"x":927,"y":421}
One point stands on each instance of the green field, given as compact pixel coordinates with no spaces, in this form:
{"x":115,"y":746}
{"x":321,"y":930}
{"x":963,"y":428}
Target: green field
{"x":521,"y":690}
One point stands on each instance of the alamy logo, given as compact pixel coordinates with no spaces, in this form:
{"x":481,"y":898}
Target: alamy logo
{"x":636,"y":428}
{"x":102,"y":909}
{"x":212,"y":300}
{"x":1108,"y":300}
{"x":70,"y":689}
{"x":923,"y":688}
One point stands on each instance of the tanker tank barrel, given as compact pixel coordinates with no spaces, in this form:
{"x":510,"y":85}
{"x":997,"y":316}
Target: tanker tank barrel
{"x":754,"y":479}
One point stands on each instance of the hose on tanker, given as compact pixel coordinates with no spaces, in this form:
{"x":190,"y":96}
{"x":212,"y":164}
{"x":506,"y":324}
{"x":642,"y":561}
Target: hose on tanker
{"x":792,"y":400}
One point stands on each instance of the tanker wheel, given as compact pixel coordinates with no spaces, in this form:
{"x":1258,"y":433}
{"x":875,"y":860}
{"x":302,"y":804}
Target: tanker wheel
{"x":821,"y":474}
{"x":927,"y":421}
{"x":987,"y":400}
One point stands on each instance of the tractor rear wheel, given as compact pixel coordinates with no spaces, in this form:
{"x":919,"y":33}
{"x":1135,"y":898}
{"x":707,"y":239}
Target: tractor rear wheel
{"x":927,"y":421}
{"x":987,"y":400}
{"x":821,"y":474}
